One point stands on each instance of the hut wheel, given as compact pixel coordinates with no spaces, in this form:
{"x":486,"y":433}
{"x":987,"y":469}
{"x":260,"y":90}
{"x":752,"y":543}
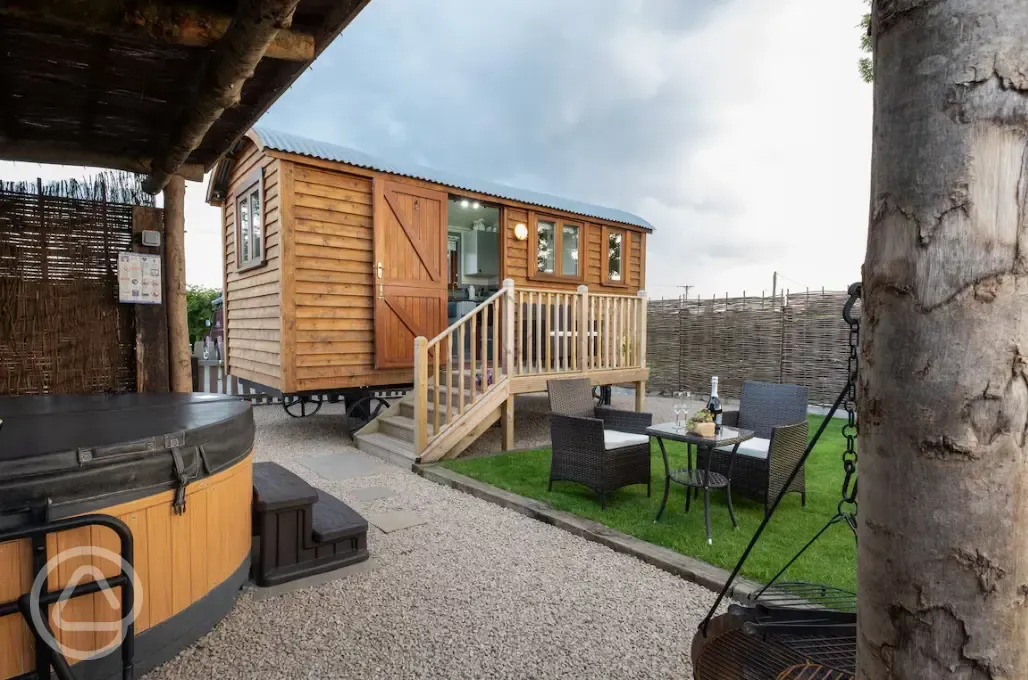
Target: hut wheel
{"x":301,"y":407}
{"x":362,"y":411}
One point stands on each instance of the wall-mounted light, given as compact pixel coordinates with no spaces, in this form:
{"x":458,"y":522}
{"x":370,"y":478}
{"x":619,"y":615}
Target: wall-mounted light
{"x":476,"y":205}
{"x":520,"y":231}
{"x":464,"y":203}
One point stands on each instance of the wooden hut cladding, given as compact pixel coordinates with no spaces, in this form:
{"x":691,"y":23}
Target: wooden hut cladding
{"x":522,"y":265}
{"x":252,"y":294}
{"x":345,"y":263}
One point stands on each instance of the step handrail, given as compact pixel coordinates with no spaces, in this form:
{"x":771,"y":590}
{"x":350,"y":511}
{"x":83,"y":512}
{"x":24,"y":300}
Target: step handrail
{"x":456,"y":324}
{"x":500,"y":355}
{"x":595,"y":332}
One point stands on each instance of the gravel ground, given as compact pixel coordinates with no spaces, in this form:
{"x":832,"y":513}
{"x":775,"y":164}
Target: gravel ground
{"x":477,"y":592}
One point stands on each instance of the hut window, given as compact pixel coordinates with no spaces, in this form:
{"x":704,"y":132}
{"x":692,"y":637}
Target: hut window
{"x":547,"y":249}
{"x":250,"y":223}
{"x":616,"y":271}
{"x":557,"y":248}
{"x":569,"y":250}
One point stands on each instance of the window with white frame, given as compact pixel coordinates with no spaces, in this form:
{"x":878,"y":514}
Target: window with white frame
{"x":250,"y":223}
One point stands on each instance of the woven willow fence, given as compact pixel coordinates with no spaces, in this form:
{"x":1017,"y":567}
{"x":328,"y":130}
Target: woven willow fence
{"x":801,"y":340}
{"x":62,"y":329}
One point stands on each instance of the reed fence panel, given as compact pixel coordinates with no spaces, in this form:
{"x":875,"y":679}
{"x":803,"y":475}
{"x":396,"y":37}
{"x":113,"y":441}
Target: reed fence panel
{"x":62,"y":329}
{"x":799,"y":339}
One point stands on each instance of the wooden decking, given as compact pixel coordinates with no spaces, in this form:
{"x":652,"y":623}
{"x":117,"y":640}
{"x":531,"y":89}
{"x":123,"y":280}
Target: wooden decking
{"x":466,"y":378}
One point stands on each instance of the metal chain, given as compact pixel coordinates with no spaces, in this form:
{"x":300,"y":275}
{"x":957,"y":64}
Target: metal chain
{"x":849,"y":430}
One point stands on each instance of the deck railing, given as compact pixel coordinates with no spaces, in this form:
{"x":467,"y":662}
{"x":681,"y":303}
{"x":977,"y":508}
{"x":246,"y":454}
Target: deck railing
{"x":581,"y":331}
{"x":517,"y":333}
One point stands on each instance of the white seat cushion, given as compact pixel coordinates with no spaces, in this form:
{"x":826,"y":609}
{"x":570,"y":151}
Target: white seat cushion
{"x":755,"y":448}
{"x":614,"y":439}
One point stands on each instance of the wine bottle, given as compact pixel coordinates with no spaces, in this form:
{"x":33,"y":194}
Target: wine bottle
{"x":714,"y":404}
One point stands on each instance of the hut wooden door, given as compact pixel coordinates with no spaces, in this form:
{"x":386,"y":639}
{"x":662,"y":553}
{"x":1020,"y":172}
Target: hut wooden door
{"x":410,"y":269}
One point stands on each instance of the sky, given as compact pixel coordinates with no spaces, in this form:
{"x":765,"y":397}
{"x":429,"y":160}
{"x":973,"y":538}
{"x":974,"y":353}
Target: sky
{"x":739,"y":128}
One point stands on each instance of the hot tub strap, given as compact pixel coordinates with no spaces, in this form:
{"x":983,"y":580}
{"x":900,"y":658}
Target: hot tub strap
{"x":203,"y":460}
{"x":184,"y":476}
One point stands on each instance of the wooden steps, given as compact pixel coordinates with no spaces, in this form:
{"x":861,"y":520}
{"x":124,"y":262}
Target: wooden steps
{"x":456,"y":397}
{"x":386,"y":447}
{"x":391,"y":435}
{"x":400,"y":427}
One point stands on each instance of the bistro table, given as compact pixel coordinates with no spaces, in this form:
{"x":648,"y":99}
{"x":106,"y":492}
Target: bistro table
{"x":694,"y":478}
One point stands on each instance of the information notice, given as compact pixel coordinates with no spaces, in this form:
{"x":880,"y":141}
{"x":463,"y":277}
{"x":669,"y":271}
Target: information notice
{"x":139,"y":278}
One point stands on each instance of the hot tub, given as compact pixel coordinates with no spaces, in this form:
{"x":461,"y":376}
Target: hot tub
{"x":175,"y":468}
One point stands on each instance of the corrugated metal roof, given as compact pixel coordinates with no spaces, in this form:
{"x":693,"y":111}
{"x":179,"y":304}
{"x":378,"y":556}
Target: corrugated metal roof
{"x":290,"y":143}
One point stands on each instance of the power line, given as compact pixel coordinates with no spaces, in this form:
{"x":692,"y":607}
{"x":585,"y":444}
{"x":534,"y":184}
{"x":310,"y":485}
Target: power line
{"x":789,"y":278}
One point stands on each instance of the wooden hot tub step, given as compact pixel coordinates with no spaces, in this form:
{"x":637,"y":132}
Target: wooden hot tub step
{"x":300,"y":531}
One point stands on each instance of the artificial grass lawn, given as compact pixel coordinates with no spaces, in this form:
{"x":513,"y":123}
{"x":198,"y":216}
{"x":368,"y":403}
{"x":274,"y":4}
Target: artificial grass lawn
{"x":831,"y":560}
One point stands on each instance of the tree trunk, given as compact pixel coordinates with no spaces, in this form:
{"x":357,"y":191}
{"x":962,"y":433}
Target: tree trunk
{"x":943,"y":535}
{"x":179,"y":349}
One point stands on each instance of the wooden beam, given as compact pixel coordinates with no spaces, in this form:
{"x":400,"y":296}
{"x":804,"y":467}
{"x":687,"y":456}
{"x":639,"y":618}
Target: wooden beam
{"x":72,"y":154}
{"x":537,"y":383}
{"x":171,"y":24}
{"x":507,"y":424}
{"x":221,"y":85}
{"x":332,"y":24}
{"x":175,"y":285}
{"x":152,"y":373}
{"x":338,"y":18}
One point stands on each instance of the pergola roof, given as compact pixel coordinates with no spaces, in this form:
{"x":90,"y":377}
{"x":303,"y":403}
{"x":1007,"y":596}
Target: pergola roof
{"x":150,"y":85}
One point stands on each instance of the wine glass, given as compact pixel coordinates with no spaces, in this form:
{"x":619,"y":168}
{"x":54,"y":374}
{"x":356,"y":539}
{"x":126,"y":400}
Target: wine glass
{"x":678,"y":405}
{"x":686,"y":403}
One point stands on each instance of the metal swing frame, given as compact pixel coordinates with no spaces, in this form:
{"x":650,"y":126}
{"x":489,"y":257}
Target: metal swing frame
{"x":846,"y":510}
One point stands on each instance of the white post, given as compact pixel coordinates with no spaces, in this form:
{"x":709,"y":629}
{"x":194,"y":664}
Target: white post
{"x":421,"y":394}
{"x":508,"y":327}
{"x":583,"y":328}
{"x":507,"y":415}
{"x":640,"y":386}
{"x":641,"y":333}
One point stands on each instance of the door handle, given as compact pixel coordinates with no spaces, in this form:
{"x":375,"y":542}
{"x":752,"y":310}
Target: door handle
{"x":379,"y":269}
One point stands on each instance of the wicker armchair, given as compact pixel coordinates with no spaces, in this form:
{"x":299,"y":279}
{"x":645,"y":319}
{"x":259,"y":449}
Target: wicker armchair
{"x":777,"y":414}
{"x":602,"y":448}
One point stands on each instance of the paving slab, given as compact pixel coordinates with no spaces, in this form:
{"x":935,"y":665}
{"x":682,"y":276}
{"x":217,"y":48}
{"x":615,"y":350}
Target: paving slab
{"x":372,"y":493}
{"x":340,"y":466}
{"x":389,"y":522}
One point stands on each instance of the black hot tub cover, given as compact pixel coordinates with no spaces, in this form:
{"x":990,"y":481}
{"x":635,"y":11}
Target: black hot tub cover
{"x":84,"y":452}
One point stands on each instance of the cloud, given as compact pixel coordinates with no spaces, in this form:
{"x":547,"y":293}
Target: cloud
{"x":738,"y":127}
